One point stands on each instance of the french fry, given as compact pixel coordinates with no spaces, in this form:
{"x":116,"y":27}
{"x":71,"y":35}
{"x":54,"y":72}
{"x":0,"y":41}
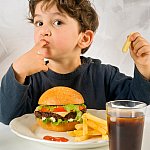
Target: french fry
{"x":95,"y":126}
{"x":71,"y":133}
{"x":75,"y":133}
{"x":92,"y":126}
{"x":94,"y":133}
{"x":79,"y":126}
{"x":81,"y":138}
{"x":96,"y":119}
{"x":91,"y":132}
{"x":105,"y":137}
{"x":78,"y":132}
{"x":127,"y":44}
{"x":102,"y":126}
{"x":85,"y":126}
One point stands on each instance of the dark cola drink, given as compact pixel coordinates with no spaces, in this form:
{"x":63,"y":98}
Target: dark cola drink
{"x":125,"y":131}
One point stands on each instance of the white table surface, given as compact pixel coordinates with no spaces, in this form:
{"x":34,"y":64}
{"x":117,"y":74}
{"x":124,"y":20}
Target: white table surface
{"x":10,"y":141}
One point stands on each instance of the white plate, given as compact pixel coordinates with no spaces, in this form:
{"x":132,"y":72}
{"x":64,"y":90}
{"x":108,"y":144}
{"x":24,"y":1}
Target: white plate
{"x":26,"y":127}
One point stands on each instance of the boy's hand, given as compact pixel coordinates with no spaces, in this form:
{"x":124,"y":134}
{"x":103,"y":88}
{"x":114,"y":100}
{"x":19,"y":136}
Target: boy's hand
{"x":30,"y":63}
{"x":140,"y":52}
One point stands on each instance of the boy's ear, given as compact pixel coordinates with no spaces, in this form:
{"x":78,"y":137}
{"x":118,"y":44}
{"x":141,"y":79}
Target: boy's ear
{"x":85,"y":39}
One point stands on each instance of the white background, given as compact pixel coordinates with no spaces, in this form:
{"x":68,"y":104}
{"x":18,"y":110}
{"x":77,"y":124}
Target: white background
{"x":117,"y":19}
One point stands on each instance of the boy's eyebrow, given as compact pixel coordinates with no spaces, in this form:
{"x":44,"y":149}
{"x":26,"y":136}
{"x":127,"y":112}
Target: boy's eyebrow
{"x":53,"y":14}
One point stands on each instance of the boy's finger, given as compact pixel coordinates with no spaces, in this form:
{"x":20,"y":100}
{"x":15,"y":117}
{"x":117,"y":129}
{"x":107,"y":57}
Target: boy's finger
{"x":138,"y":39}
{"x":143,"y":50}
{"x":134,"y":36}
{"x":139,"y":45}
{"x":39,"y":45}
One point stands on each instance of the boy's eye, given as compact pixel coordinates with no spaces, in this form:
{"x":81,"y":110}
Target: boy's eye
{"x":57,"y":22}
{"x":38,"y":24}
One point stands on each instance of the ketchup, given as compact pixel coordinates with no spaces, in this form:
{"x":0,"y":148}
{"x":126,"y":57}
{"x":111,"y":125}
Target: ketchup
{"x":57,"y":139}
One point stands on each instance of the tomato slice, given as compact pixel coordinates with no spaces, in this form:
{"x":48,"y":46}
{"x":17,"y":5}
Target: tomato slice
{"x":81,"y":107}
{"x":59,"y":109}
{"x":44,"y":109}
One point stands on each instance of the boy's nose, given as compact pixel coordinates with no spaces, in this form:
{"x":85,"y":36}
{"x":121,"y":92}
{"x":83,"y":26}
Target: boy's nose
{"x":46,"y":32}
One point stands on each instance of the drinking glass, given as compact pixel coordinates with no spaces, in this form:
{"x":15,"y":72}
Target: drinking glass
{"x":125,"y":120}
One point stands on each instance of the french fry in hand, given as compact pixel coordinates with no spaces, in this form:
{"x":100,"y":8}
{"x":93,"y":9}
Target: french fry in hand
{"x":127,"y":44}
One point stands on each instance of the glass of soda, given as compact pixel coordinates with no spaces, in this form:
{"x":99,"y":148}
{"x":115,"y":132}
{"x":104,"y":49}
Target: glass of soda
{"x":125,"y":120}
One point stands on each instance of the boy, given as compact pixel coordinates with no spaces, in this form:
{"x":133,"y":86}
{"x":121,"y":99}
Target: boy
{"x":63,"y":30}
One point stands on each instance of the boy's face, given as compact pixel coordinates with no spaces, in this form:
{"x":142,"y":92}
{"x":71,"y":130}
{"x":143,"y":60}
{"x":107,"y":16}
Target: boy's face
{"x":60,"y":31}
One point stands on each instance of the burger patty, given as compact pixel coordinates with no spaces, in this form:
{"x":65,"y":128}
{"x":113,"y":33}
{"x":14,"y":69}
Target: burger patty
{"x":72,"y":115}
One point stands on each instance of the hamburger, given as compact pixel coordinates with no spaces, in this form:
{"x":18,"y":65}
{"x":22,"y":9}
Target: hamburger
{"x":60,"y":109}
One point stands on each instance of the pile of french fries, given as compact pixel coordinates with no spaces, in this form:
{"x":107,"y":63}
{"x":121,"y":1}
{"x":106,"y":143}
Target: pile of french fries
{"x":92,"y":126}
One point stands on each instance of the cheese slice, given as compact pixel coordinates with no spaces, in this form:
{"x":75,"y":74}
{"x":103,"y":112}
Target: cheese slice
{"x":63,"y":114}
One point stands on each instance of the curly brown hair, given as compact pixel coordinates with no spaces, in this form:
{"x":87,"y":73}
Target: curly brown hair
{"x":80,"y":10}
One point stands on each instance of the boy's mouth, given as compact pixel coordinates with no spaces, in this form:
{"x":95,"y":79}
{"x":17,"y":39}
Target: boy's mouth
{"x":45,"y":41}
{"x":46,"y":46}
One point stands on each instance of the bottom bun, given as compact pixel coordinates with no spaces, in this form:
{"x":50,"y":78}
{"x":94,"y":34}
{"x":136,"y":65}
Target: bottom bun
{"x":59,"y":128}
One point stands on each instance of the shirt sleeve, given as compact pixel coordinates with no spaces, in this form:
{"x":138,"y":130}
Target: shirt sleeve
{"x":141,"y":87}
{"x":12,"y":97}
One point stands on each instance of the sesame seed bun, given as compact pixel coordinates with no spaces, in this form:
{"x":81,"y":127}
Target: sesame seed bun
{"x":60,"y":95}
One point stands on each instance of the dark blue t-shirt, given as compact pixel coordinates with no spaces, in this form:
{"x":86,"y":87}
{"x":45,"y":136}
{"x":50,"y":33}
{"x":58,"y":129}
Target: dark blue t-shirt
{"x":98,"y":83}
